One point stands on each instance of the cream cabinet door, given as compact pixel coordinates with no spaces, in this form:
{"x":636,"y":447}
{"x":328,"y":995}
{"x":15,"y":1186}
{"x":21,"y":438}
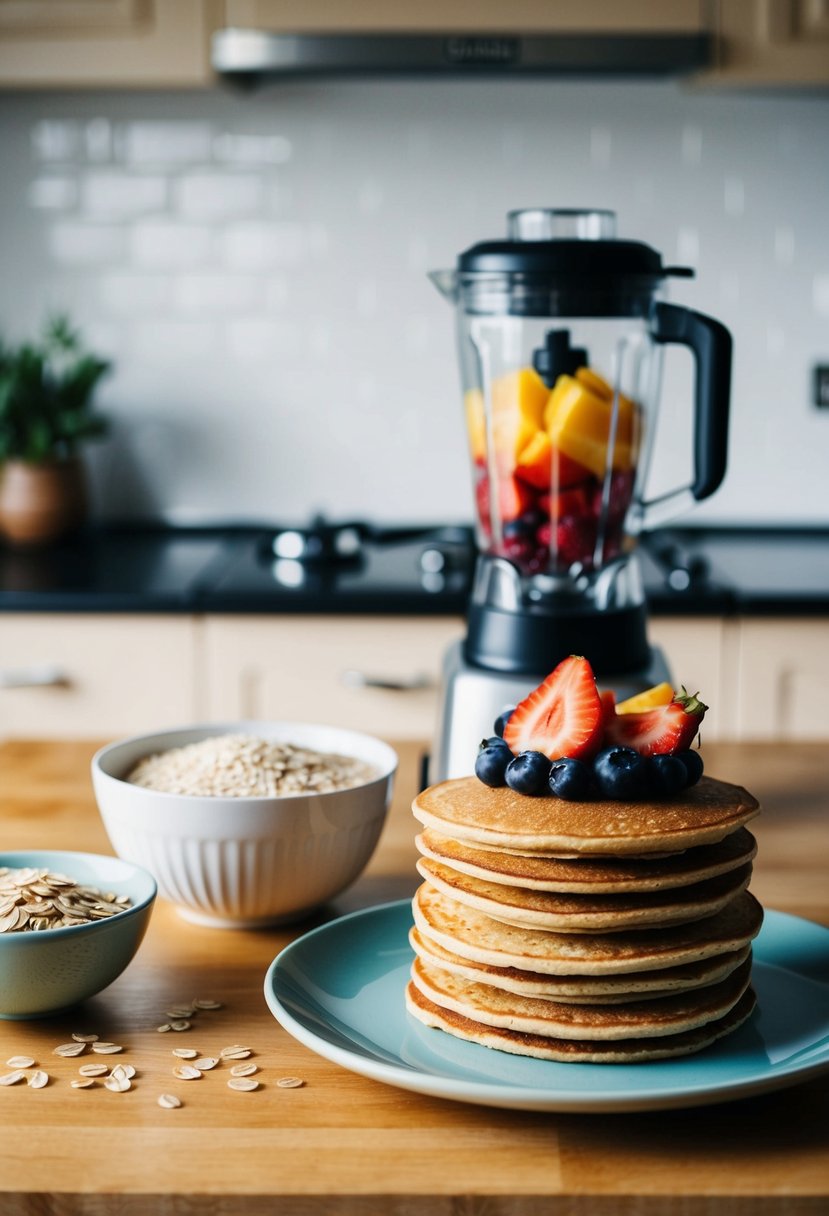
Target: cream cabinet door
{"x":378,"y":674}
{"x":784,"y":675}
{"x":459,"y":16}
{"x":88,"y":676}
{"x":771,"y":42}
{"x":100,"y":43}
{"x":701,"y":654}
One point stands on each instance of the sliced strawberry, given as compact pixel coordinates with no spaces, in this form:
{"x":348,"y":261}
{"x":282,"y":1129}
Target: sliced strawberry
{"x":656,"y":732}
{"x":608,"y":699}
{"x":562,"y":717}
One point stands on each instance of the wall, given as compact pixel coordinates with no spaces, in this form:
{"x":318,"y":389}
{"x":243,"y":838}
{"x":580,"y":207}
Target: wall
{"x":256,"y":267}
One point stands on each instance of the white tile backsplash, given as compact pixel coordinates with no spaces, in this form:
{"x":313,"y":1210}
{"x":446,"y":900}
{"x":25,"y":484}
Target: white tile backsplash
{"x":256,"y":266}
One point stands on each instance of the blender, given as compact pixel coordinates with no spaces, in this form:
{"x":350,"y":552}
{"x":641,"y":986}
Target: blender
{"x":561,"y":329}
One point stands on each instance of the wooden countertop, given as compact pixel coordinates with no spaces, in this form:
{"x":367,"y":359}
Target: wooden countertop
{"x":344,"y":1144}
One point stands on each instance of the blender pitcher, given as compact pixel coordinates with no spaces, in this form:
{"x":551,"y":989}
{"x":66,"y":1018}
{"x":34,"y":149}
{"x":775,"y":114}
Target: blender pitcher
{"x":560,"y":329}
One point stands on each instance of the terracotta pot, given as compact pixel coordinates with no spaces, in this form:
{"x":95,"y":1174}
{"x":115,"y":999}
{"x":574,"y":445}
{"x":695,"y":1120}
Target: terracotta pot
{"x":41,"y":502}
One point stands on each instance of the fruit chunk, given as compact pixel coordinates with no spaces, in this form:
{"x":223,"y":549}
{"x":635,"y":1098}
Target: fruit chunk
{"x":660,"y":694}
{"x":621,"y":772}
{"x":569,"y":779}
{"x":473,"y":403}
{"x":528,"y":773}
{"x":491,"y":762}
{"x":518,"y":403}
{"x":543,"y":466}
{"x":578,"y":422}
{"x":562,"y":717}
{"x":654,"y":732}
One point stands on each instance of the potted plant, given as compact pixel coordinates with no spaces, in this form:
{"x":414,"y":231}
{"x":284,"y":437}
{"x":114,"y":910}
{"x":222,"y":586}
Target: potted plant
{"x":46,"y":414}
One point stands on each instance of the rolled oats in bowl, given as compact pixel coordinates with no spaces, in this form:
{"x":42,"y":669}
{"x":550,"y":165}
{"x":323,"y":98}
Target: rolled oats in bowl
{"x":246,"y":766}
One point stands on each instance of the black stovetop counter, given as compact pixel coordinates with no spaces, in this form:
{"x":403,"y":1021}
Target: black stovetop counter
{"x":400,"y":570}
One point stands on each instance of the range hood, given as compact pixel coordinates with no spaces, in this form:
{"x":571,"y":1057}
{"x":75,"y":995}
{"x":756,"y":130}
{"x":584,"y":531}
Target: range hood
{"x":254,"y":56}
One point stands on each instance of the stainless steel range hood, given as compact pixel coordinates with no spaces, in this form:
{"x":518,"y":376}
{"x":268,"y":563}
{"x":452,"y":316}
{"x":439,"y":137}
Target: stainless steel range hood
{"x":253,"y":55}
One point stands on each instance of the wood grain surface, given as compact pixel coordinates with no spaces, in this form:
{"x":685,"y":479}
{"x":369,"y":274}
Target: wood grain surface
{"x":344,"y":1144}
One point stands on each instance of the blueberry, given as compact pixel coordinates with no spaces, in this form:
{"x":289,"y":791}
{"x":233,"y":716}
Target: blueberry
{"x":491,"y":764}
{"x":502,"y":719}
{"x":620,"y":772}
{"x":493,"y":741}
{"x":527,"y":773}
{"x":569,"y":779}
{"x":667,"y":775}
{"x":693,"y":766}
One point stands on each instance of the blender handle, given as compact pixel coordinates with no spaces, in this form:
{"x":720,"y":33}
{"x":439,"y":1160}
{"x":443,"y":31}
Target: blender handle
{"x":711,"y":344}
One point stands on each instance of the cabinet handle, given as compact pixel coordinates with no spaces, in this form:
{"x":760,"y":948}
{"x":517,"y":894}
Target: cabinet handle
{"x":46,"y":676}
{"x":363,"y":679}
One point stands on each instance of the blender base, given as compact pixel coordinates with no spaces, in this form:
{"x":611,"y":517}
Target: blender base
{"x":473,"y":698}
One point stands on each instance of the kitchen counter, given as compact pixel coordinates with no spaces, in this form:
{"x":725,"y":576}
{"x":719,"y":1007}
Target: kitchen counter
{"x":420,"y":570}
{"x":344,"y":1144}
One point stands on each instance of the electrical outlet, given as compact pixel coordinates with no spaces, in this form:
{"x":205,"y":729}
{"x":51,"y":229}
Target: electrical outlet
{"x":821,"y":397}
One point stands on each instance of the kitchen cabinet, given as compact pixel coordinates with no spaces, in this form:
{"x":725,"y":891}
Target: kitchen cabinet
{"x":429,"y":16}
{"x":771,"y":42}
{"x":375,"y":674}
{"x":106,"y":43}
{"x":85,"y":675}
{"x":68,"y":675}
{"x":783,"y":677}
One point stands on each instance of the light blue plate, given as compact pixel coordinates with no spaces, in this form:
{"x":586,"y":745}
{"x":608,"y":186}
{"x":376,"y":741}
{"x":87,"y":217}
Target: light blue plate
{"x":339,"y":990}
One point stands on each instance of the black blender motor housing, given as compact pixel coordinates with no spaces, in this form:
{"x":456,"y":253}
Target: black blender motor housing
{"x":589,"y":278}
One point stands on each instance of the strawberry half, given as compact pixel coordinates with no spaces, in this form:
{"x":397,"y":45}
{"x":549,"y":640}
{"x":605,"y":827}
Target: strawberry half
{"x":660,"y":731}
{"x":562,"y":717}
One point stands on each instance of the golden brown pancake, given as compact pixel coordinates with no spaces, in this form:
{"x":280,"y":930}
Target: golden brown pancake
{"x":611,"y":989}
{"x":554,"y":1019}
{"x":609,"y":875}
{"x":473,"y":935}
{"x":466,"y":809}
{"x":578,"y":1051}
{"x":586,"y":913}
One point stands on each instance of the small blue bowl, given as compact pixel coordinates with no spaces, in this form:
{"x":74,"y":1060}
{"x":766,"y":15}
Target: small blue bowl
{"x":47,"y":970}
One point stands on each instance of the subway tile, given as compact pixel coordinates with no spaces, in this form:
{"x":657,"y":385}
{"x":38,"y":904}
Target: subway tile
{"x":237,"y":148}
{"x":601,"y":146}
{"x":216,"y":293}
{"x":53,"y":193}
{"x":134,"y":294}
{"x":734,"y":196}
{"x":98,"y":140}
{"x":81,"y":244}
{"x":167,"y":245}
{"x":820,"y":294}
{"x":257,"y":340}
{"x":121,"y":196}
{"x":277,"y":293}
{"x":784,"y":245}
{"x":214,"y":196}
{"x":258,"y":245}
{"x":164,"y":143}
{"x":56,"y":140}
{"x":167,"y":341}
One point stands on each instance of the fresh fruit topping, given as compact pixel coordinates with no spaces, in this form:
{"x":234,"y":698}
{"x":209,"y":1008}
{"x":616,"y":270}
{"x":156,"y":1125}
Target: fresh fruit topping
{"x":491,"y":763}
{"x":620,"y":772}
{"x":693,"y":766}
{"x":660,"y":694}
{"x":666,"y":774}
{"x":502,"y":719}
{"x":667,"y":728}
{"x":493,"y":741}
{"x":569,"y":779}
{"x":608,"y":699}
{"x":527,"y":773}
{"x":562,"y":717}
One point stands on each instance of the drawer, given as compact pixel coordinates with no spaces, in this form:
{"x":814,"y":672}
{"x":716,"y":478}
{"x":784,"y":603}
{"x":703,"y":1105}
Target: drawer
{"x":84,"y":676}
{"x":377,"y":674}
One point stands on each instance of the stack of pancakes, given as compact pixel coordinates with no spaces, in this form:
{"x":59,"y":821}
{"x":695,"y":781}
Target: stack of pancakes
{"x":602,"y":932}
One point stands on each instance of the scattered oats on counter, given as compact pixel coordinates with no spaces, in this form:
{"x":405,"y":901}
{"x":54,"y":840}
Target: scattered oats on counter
{"x":33,"y":898}
{"x":245,"y":766}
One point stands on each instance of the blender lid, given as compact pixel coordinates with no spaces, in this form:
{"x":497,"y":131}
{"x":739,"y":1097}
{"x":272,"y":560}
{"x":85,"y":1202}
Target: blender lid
{"x":567,"y":246}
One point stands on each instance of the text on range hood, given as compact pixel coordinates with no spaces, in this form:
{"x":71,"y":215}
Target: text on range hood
{"x":245,"y":54}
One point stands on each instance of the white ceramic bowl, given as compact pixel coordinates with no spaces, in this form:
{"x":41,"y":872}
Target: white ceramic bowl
{"x":47,"y":970}
{"x":235,"y":862}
